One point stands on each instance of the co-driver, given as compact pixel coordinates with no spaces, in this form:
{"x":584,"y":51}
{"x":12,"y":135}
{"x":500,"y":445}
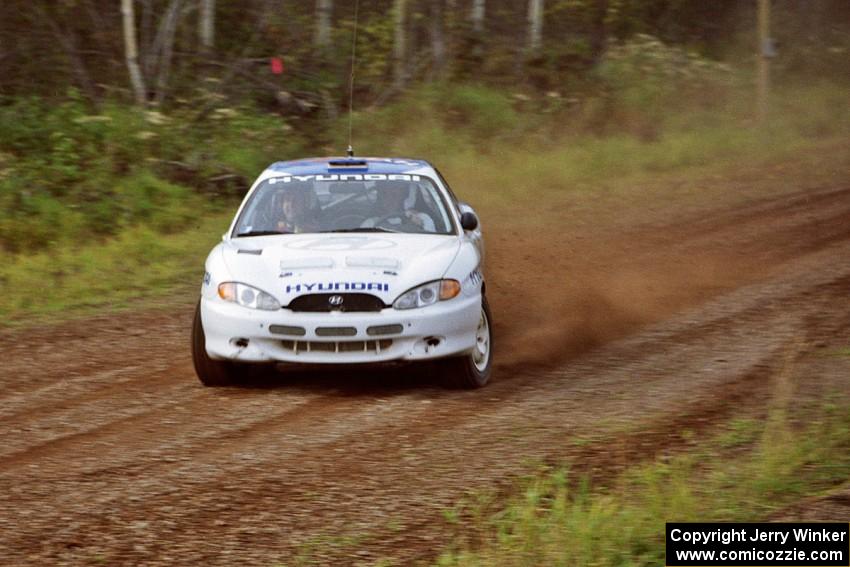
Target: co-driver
{"x":393,"y":209}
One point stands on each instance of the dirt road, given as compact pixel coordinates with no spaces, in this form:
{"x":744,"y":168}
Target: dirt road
{"x":612,"y":340}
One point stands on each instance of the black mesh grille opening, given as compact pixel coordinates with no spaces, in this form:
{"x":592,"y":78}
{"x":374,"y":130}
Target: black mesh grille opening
{"x":371,"y":346}
{"x":336,"y":331}
{"x":384,"y":330}
{"x":321,"y":302}
{"x":287,"y":330}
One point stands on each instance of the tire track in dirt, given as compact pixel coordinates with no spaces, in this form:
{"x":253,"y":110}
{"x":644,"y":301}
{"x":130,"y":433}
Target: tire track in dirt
{"x":44,"y":354}
{"x":630,"y":284}
{"x":297,"y":490}
{"x":565,"y":392}
{"x":63,"y":394}
{"x":174,"y":421}
{"x":781,"y":206}
{"x":151,"y":468}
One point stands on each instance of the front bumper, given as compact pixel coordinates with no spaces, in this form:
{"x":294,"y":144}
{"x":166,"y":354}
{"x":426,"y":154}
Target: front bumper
{"x":444,"y":329}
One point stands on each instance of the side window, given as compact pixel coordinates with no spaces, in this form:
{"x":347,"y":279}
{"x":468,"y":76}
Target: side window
{"x":427,"y":196}
{"x":449,"y":189}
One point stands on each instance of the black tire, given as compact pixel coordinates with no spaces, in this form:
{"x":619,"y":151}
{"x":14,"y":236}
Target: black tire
{"x":470,"y":371}
{"x":210,"y":372}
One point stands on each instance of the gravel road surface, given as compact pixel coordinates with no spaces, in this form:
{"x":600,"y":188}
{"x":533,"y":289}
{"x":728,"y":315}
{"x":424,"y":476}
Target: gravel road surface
{"x":611,"y":343}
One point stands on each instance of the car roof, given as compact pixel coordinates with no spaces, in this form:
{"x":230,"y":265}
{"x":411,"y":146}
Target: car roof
{"x":322,"y":165}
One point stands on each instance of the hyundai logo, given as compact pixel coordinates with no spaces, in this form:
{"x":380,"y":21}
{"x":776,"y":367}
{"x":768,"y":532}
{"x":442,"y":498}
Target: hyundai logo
{"x":336,"y":300}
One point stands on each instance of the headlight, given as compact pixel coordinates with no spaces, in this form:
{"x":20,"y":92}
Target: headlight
{"x":428,"y":294}
{"x":247,"y":296}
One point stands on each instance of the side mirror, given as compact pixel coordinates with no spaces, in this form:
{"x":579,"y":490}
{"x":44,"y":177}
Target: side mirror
{"x":468,"y":221}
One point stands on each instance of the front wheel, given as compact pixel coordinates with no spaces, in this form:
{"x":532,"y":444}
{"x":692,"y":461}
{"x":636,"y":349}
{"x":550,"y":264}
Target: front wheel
{"x":210,"y":372}
{"x":473,"y":370}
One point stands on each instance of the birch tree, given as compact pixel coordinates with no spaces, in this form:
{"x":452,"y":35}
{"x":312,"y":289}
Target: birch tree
{"x":206,"y":25}
{"x":438,"y":40}
{"x":322,"y":35}
{"x":168,"y":28}
{"x":131,"y":51}
{"x":535,"y":26}
{"x":399,"y":43}
{"x":477,"y":16}
{"x":473,"y":41}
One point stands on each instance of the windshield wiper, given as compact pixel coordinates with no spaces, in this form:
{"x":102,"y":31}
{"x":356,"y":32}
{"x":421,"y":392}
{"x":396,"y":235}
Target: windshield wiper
{"x":261,"y":232}
{"x":363,"y":229}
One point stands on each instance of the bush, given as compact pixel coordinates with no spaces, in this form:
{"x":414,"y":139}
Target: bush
{"x":66,"y":173}
{"x":437,"y":120}
{"x":485,"y":112}
{"x":647,"y":80}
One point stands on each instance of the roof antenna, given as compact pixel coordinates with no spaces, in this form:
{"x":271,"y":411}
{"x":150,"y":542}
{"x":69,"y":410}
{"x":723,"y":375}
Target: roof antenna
{"x":350,"y":150}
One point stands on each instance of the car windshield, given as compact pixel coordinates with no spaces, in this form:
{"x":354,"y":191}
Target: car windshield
{"x":345,"y":203}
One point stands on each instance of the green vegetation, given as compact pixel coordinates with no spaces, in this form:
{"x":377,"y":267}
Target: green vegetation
{"x":103,"y":204}
{"x":99,"y":208}
{"x":501,"y":146}
{"x":69,"y":175}
{"x":745,"y":473}
{"x":138,"y":263}
{"x":112,"y":191}
{"x":51,"y":45}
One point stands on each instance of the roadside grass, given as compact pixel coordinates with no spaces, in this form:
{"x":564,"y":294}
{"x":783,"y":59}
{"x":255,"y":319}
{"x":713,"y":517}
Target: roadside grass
{"x":139,"y":263}
{"x":744,"y":473}
{"x":502,"y":165}
{"x":72,"y":278}
{"x":627,"y":171}
{"x":505,"y":161}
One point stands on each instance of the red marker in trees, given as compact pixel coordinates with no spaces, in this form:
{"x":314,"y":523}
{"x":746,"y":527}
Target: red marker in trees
{"x":276,"y":64}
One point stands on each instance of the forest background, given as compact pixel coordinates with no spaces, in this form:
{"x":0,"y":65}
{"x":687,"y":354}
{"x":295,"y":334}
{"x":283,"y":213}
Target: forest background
{"x":129,"y":130}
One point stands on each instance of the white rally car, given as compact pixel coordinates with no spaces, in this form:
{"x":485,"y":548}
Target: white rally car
{"x":346,"y":261}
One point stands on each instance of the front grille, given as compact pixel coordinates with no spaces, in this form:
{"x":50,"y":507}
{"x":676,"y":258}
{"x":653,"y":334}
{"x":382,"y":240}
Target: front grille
{"x":337,"y":346}
{"x":287,"y":330}
{"x":384,"y":330}
{"x":336,"y":331}
{"x":351,"y":302}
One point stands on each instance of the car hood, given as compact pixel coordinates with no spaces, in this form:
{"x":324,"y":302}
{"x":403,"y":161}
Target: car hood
{"x":385,"y":265}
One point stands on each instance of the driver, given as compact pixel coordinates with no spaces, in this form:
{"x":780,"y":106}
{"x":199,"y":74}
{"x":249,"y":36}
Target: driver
{"x":297,"y":214}
{"x":394,"y":209}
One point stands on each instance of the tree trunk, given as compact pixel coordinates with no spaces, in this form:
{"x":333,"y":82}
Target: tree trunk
{"x":535,"y":26}
{"x":599,"y":37}
{"x":169,"y":29}
{"x":477,"y":16}
{"x":763,"y":58}
{"x":146,"y":40}
{"x":399,"y":45}
{"x":66,"y":39}
{"x":438,"y":40}
{"x":206,"y":25}
{"x":324,"y":11}
{"x":131,"y":51}
{"x":452,"y":17}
